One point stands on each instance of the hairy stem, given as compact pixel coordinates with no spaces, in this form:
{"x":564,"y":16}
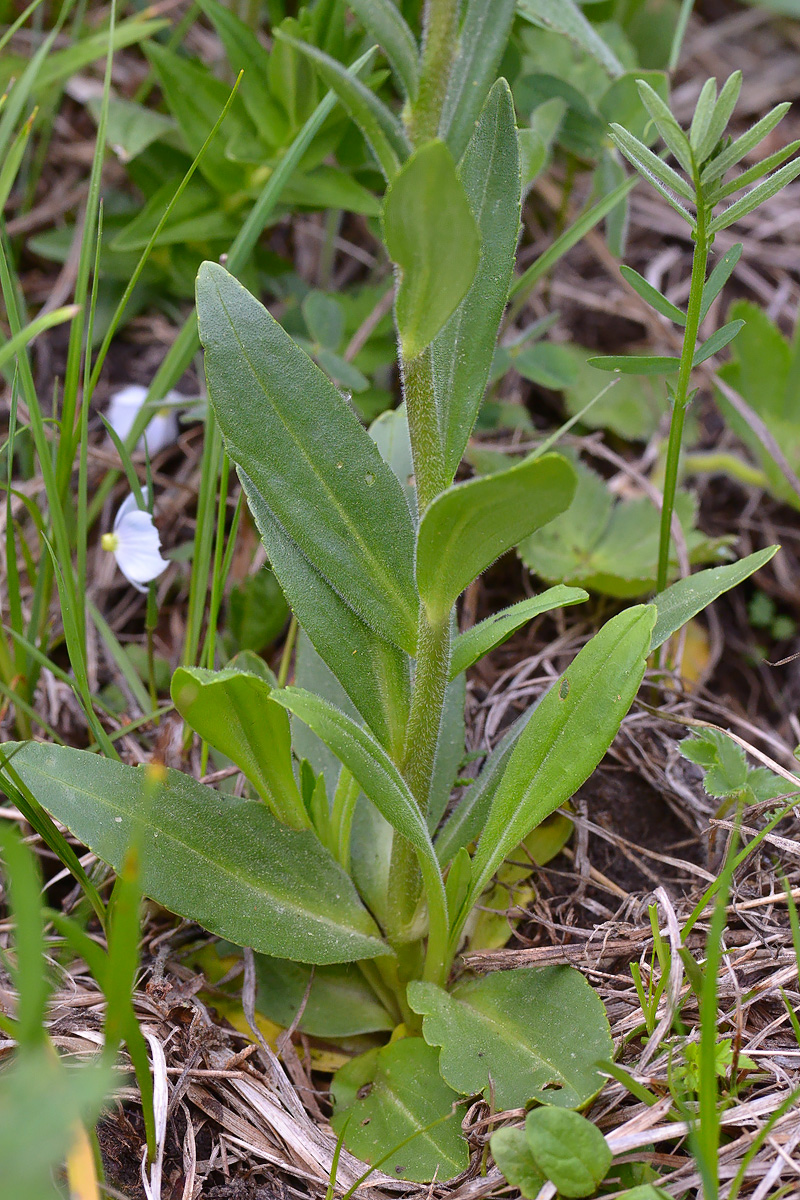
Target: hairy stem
{"x":439,"y":49}
{"x":427,"y":451}
{"x":699,"y":265}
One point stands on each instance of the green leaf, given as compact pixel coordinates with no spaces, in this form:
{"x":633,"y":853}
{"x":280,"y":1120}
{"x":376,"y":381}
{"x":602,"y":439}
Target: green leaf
{"x":748,"y":141}
{"x":718,"y":341}
{"x":468,"y":818}
{"x":449,"y":750}
{"x":652,"y":295}
{"x":608,"y":545}
{"x":493,"y":631}
{"x":196,"y":98}
{"x":534,"y":1033}
{"x":719,"y":277}
{"x":324,"y":318}
{"x":29,"y":973}
{"x":632,"y":407}
{"x":548,"y":364}
{"x":688,"y":597}
{"x":753,"y":173}
{"x":373,"y":672}
{"x":673,"y":136}
{"x":650,"y":165}
{"x":41,"y":1104}
{"x":463,"y":351}
{"x":332,"y":494}
{"x":130,"y":127}
{"x":636,"y":364}
{"x":232,"y":710}
{"x":431,"y":234}
{"x":723,"y":111}
{"x":512,"y":1154}
{"x":218,"y":860}
{"x":481,"y":45}
{"x":380,"y":779}
{"x":245,"y":53}
{"x":726,"y":774}
{"x":565,"y":17}
{"x":338,"y":1004}
{"x":385,"y":23}
{"x":571,"y":1152}
{"x":382,"y":130}
{"x":756,"y":196}
{"x":703,"y":112}
{"x":568,"y":734}
{"x":471,"y":524}
{"x":385,"y":1096}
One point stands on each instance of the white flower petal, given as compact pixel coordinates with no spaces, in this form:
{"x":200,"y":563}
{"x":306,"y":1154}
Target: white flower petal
{"x":138,"y":554}
{"x":125,"y":405}
{"x":129,"y":505}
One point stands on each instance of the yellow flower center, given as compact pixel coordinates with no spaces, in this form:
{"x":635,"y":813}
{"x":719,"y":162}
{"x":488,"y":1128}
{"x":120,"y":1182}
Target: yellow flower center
{"x":109,"y":541}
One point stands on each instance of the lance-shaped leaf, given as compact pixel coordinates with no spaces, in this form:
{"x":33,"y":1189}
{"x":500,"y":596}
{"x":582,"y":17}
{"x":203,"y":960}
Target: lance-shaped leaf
{"x":431,"y":234}
{"x":703,"y":112}
{"x":487,"y":635}
{"x":218,"y":860}
{"x":381,"y":128}
{"x":536,"y":1033}
{"x":317,"y":468}
{"x":471,"y":524}
{"x":566,"y":17}
{"x":685,"y":599}
{"x":719,"y":277}
{"x":374,"y":673}
{"x":751,"y":200}
{"x":671,"y":132}
{"x":232,"y":710}
{"x":732,"y":154}
{"x":385,"y":23}
{"x":568,"y":734}
{"x":636,"y":364}
{"x":652,"y":295}
{"x":482,"y":43}
{"x":449,"y":750}
{"x":718,"y":341}
{"x":463,"y":351}
{"x":469,"y":816}
{"x":723,"y":110}
{"x":380,"y":779}
{"x":753,"y":173}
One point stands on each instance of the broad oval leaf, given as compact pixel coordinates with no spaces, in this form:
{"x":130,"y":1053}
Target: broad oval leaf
{"x":383,"y":1097}
{"x":431,"y":234}
{"x":463,"y":350}
{"x":535,"y":1033}
{"x":373,"y":671}
{"x":568,"y":734}
{"x":232,"y":710}
{"x":688,"y":597}
{"x":471,"y":524}
{"x":318,"y":470}
{"x":218,"y":860}
{"x":468,"y":647}
{"x":511,"y":1152}
{"x":570,"y":1151}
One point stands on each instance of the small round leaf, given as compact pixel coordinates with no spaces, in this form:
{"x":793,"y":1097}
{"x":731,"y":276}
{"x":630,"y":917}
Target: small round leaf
{"x":570,"y":1151}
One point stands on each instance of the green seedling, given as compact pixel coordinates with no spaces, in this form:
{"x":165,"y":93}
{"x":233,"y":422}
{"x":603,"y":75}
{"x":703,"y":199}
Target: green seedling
{"x":695,"y":188}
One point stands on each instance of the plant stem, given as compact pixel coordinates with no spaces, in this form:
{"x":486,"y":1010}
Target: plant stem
{"x":699,"y":265}
{"x":439,"y":48}
{"x":427,"y":451}
{"x":427,"y":702}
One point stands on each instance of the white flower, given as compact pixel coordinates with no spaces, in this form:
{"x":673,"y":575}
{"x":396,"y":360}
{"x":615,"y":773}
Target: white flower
{"x":135,"y":544}
{"x":124,"y":407}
